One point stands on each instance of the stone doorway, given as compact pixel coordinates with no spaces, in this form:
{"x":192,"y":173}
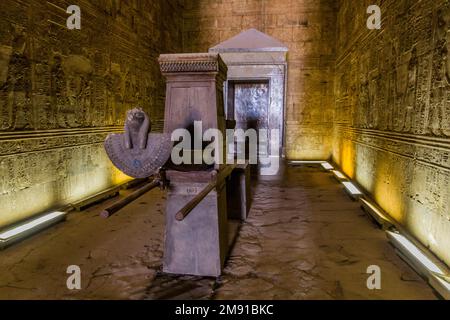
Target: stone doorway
{"x":248,"y":105}
{"x":255,"y":90}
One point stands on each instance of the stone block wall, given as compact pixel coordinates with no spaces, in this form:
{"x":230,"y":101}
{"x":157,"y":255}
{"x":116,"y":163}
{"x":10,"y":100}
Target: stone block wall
{"x":62,"y":91}
{"x":392,"y":116}
{"x":375,"y":100}
{"x":307,"y":27}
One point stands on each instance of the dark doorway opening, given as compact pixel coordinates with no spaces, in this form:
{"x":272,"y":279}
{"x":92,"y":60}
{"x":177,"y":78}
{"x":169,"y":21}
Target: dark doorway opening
{"x":248,"y":105}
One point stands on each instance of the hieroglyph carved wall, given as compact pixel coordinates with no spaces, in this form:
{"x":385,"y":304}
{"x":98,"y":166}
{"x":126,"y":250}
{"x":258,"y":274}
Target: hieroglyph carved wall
{"x":62,"y":91}
{"x":307,"y":28}
{"x":392,"y":115}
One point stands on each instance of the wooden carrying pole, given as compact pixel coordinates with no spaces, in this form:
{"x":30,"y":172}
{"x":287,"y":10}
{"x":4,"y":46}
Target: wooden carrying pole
{"x":133,"y":196}
{"x":221,"y":175}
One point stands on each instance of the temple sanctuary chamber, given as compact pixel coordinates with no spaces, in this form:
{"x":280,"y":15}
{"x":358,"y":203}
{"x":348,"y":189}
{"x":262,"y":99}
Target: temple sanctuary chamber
{"x":224,"y":150}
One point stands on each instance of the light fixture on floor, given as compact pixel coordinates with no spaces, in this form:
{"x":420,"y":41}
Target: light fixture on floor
{"x":441,"y":284}
{"x":339,"y":175}
{"x":326,"y":166}
{"x":352,"y":190}
{"x":376,"y":213}
{"x":306,"y":162}
{"x":29,"y":227}
{"x":423,"y":264}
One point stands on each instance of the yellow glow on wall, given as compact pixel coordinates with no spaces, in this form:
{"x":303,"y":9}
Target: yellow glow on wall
{"x":387,"y":190}
{"x":84,"y":185}
{"x":119,"y":177}
{"x":62,"y":177}
{"x":389,"y":199}
{"x":87,"y":173}
{"x":16,"y":206}
{"x":304,"y":143}
{"x":374,"y":173}
{"x":348,"y":158}
{"x":411,"y":194}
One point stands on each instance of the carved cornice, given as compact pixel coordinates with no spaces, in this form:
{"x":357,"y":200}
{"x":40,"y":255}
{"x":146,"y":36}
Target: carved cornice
{"x":19,"y":135}
{"x":426,"y":141}
{"x":194,"y":62}
{"x":13,"y":143}
{"x":427,"y":150}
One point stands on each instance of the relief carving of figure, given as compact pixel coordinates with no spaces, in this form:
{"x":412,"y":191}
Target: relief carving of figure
{"x":410,"y":94}
{"x":390,"y":110}
{"x":372,"y":112}
{"x":115,"y":88}
{"x":383,"y":91}
{"x":131,"y":93}
{"x":5,"y":114}
{"x":438,"y":122}
{"x":113,"y":7}
{"x":400,"y":110}
{"x":364,"y":100}
{"x":58,"y":92}
{"x":16,"y":92}
{"x":71,"y":90}
{"x":78,"y":71}
{"x":109,"y":95}
{"x":391,"y":104}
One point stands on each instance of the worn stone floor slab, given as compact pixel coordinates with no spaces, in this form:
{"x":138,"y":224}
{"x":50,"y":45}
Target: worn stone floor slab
{"x":304,"y":239}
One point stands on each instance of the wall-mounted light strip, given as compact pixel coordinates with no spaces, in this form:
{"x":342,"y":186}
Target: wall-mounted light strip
{"x":419,"y":259}
{"x":376,"y":213}
{"x":437,"y":274}
{"x":352,"y":190}
{"x":29,"y":227}
{"x":306,"y":162}
{"x":326,"y":166}
{"x":421,"y":263}
{"x":339,"y":175}
{"x":441,"y":284}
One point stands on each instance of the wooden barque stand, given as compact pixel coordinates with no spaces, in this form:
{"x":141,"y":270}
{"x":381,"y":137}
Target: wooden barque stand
{"x":196,"y":232}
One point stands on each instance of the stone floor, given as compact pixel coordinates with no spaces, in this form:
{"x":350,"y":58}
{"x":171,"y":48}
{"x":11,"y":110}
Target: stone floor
{"x":304,"y":239}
